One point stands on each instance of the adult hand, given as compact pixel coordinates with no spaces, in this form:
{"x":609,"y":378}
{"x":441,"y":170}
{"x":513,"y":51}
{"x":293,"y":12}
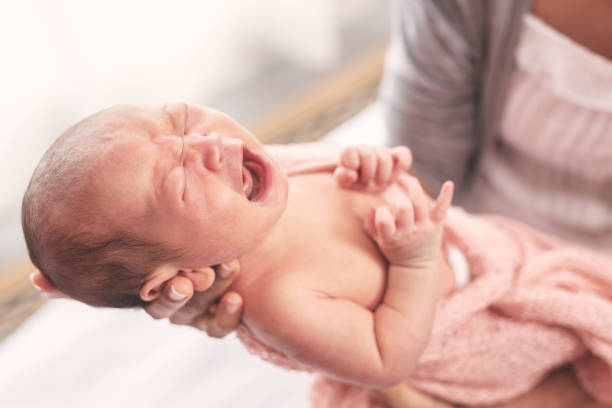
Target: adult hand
{"x":213,"y":310}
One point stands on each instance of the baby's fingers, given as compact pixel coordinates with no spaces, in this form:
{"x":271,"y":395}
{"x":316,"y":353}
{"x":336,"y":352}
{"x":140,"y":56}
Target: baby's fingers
{"x":350,"y":158}
{"x":384,"y":223}
{"x":442,"y":202}
{"x":345,"y":177}
{"x":402,"y":158}
{"x":385,"y":166}
{"x":368,"y":165}
{"x":404,"y":217}
{"x":368,"y":223}
{"x":379,"y":223}
{"x":418,"y":198}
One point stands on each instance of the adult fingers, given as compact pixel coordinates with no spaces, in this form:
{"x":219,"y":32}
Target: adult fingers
{"x":176,"y":293}
{"x":226,"y":318}
{"x":229,"y":312}
{"x":201,"y":301}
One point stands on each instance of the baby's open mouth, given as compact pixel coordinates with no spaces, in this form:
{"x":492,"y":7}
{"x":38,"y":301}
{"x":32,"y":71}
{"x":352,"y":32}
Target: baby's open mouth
{"x":252,"y":176}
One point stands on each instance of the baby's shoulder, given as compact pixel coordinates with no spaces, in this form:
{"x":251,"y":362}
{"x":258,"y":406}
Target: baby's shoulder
{"x":277,"y":302}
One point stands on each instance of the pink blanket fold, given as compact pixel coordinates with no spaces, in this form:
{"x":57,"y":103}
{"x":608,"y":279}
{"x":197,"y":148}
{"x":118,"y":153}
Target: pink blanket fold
{"x":534,"y":303}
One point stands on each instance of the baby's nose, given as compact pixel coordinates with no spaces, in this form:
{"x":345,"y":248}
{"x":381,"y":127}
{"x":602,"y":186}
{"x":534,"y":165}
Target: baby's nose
{"x":210,"y":147}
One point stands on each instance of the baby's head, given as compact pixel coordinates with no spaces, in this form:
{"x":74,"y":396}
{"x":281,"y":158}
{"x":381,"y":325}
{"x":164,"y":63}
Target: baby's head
{"x":130,"y":197}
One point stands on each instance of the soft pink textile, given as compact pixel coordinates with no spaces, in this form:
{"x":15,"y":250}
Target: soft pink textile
{"x":534,"y":303}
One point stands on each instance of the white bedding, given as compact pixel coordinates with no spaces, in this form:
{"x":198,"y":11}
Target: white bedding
{"x":70,"y":355}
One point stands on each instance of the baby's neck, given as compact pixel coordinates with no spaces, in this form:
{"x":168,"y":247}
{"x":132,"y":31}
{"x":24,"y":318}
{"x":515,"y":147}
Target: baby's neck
{"x":270,"y":254}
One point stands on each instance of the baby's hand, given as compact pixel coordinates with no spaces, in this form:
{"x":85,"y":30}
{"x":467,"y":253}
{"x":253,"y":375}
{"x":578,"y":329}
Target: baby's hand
{"x":410,"y":234}
{"x":371,"y":169}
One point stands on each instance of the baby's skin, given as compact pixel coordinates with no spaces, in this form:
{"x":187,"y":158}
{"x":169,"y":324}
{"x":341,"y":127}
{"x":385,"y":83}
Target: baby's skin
{"x":368,"y":255}
{"x":344,"y":280}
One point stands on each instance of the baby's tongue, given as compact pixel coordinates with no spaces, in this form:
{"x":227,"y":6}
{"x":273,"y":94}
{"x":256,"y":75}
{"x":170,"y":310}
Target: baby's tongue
{"x":247,"y":182}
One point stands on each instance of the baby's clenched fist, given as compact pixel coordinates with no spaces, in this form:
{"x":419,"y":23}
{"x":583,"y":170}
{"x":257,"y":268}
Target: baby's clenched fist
{"x":371,"y":169}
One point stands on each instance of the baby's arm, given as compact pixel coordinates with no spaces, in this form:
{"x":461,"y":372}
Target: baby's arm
{"x":348,"y":341}
{"x":410,"y":238}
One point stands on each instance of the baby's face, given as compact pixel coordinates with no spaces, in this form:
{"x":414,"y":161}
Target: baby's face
{"x":193,"y":178}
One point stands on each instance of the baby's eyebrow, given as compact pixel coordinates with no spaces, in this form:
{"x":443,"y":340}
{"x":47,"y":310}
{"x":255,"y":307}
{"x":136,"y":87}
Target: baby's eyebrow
{"x":177,"y":117}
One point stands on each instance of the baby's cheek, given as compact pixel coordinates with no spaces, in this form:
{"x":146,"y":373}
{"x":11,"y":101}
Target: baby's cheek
{"x":174,"y":185}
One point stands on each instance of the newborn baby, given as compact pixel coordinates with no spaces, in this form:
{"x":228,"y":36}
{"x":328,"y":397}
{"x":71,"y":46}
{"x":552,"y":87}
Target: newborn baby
{"x":345,"y":281}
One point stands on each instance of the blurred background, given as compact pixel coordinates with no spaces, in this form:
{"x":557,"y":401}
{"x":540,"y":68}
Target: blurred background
{"x":289,"y":70}
{"x":267,"y":63}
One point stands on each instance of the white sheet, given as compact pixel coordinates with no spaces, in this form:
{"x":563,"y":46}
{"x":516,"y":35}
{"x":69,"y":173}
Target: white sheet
{"x":71,"y":355}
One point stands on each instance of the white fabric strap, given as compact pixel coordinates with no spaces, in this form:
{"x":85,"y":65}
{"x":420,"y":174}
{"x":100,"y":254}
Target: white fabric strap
{"x":459,"y":264}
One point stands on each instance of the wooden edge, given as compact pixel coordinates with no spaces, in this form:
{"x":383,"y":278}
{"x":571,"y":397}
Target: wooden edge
{"x":18,"y":298}
{"x":323,"y":97}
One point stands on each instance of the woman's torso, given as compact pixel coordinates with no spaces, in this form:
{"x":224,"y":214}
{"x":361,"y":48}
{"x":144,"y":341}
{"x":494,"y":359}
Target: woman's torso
{"x":551,"y":163}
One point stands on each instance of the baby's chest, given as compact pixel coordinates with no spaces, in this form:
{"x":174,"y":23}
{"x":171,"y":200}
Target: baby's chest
{"x":333,"y":254}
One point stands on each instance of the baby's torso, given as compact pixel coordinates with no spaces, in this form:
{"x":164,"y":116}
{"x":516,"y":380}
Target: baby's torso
{"x":330,"y":252}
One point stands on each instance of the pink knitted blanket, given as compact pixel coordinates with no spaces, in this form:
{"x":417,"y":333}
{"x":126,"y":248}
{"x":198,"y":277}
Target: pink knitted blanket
{"x":533,"y":303}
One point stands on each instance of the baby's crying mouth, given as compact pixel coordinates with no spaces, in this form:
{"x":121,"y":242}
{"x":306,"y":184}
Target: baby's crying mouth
{"x":250,"y":179}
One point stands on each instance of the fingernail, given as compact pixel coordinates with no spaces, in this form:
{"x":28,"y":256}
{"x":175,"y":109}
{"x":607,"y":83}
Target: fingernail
{"x":232,"y":306}
{"x":174,"y":295}
{"x":225,"y":271}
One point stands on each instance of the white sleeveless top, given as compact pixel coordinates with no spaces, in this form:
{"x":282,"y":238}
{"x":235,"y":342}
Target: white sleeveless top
{"x":552,"y":163}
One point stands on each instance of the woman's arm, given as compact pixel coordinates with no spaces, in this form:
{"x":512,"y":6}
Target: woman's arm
{"x":431,"y":85}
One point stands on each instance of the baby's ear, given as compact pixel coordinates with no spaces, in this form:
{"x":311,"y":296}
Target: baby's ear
{"x":44,"y":286}
{"x":152,"y":288}
{"x":154,"y":285}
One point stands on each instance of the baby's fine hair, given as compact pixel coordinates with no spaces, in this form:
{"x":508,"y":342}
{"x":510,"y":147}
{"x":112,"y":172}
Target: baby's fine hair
{"x":67,"y":235}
